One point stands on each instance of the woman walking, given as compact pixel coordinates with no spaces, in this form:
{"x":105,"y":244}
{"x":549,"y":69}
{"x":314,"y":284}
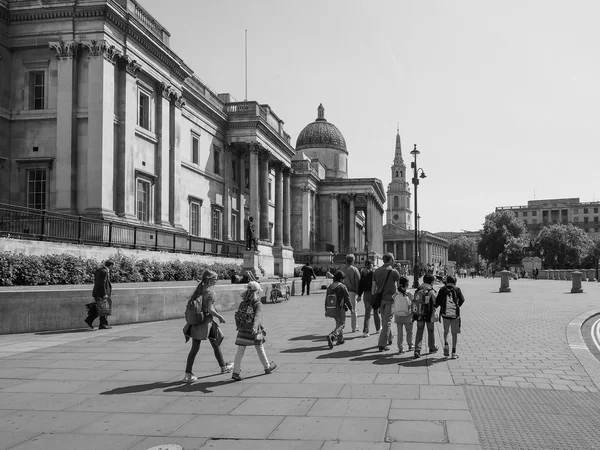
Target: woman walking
{"x":248,"y":321}
{"x":202,"y":331}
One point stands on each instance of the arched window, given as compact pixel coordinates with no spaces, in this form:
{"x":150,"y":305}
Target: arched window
{"x":401,"y":175}
{"x":396,"y":202}
{"x":396,"y":174}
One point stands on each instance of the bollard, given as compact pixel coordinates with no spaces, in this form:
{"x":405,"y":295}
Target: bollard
{"x":504,"y":281}
{"x":591,"y":273}
{"x":293,"y":290}
{"x":576,"y":287}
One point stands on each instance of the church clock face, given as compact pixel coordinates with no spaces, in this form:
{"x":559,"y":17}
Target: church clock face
{"x":396,"y":217}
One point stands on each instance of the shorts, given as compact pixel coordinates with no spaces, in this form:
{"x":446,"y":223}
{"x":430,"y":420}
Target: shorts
{"x":451,"y":324}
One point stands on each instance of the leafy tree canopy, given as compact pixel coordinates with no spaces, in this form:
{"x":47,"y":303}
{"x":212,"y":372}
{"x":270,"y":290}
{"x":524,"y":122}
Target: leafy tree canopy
{"x":564,"y":246}
{"x":499,"y":229}
{"x":463,"y":250}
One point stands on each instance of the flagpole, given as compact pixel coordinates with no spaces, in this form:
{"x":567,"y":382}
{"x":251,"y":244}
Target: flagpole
{"x":246,"y":64}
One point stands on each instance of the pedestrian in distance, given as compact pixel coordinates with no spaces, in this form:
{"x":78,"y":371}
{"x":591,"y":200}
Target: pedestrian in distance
{"x":208,"y":329}
{"x":424,"y":314}
{"x":251,"y":235}
{"x":308,"y":274}
{"x":385,"y":281}
{"x":364,"y":290}
{"x":337,"y":302}
{"x":403,"y":315}
{"x":351,"y":281}
{"x":450,"y":298}
{"x":102,"y":293}
{"x":251,"y":331}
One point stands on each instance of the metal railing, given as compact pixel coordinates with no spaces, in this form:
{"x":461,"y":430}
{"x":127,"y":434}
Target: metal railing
{"x":28,"y":223}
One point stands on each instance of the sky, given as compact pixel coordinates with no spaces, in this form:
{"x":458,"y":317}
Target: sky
{"x":501,"y":98}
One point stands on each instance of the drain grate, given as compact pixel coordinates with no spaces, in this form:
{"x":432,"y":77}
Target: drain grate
{"x":129,"y":339}
{"x":511,"y":418}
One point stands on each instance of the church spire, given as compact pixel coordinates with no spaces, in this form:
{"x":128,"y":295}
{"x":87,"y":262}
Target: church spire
{"x":398,"y":155}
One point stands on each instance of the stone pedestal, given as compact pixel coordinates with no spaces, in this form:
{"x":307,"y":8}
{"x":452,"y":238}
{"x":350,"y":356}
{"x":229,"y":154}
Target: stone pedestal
{"x":283,"y":261}
{"x":591,"y":275}
{"x":505,"y":281}
{"x":263,"y":258}
{"x":576,"y":284}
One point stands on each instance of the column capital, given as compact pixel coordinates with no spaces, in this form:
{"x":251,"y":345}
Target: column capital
{"x":166,"y":90}
{"x":264,"y":154}
{"x":255,"y":148}
{"x":277,"y":165}
{"x":287,"y":171}
{"x":130,"y":65}
{"x":65,"y":50}
{"x":334,"y":196}
{"x":102,"y":48}
{"x":179,"y":101}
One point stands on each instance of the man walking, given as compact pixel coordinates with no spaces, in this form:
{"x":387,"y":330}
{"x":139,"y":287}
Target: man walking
{"x":364,"y":290}
{"x":102,"y":291}
{"x":251,"y":235}
{"x":385,"y":280}
{"x":351,"y":281}
{"x":308,"y":274}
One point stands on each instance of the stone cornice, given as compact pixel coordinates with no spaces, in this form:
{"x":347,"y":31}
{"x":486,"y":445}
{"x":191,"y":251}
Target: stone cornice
{"x":65,"y":50}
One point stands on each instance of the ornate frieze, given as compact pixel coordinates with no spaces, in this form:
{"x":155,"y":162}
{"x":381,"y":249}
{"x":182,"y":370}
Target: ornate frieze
{"x":166,"y":90}
{"x":179,"y":101}
{"x":104,"y":49}
{"x":130,"y":65}
{"x":65,"y":50}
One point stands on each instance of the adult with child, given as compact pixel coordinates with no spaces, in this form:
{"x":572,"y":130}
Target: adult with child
{"x":208,"y":329}
{"x":385,"y":281}
{"x":351,"y":281}
{"x":342,"y":299}
{"x":450,"y":298}
{"x":251,"y":331}
{"x":365,"y":286}
{"x":424,"y":314}
{"x":403,"y":315}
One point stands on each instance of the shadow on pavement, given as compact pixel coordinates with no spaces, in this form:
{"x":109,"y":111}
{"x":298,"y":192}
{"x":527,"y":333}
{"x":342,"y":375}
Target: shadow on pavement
{"x":307,"y":337}
{"x":76,"y":330}
{"x":141,"y":388}
{"x":345,"y":353}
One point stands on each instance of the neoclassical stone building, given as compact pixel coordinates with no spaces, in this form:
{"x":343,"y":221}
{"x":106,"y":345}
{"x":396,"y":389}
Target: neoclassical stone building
{"x":331,"y":212}
{"x":99,"y":117}
{"x":398,"y":232}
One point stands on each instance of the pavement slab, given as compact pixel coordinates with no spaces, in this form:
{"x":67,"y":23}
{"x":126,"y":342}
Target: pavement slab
{"x":519,"y":381}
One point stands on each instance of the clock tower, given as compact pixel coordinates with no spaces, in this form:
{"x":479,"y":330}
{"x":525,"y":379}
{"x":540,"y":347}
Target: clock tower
{"x":398,"y":192}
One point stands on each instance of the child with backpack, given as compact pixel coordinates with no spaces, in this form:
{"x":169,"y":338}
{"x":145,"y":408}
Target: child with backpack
{"x":248,"y":321}
{"x":423,"y":308}
{"x":337,"y":302}
{"x":450,"y":299}
{"x":403,"y":314}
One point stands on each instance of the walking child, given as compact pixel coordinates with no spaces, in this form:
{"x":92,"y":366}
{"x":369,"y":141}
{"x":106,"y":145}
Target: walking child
{"x":403,"y":314}
{"x":450,"y":299}
{"x":337,"y":302}
{"x":248,"y":321}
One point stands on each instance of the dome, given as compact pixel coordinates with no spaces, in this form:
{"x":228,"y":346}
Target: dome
{"x":321,"y":134}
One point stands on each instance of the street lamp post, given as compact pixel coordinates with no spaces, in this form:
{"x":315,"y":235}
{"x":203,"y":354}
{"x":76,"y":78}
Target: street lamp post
{"x":415,"y":182}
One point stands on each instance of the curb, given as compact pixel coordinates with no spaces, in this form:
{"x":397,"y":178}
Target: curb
{"x":580,"y":348}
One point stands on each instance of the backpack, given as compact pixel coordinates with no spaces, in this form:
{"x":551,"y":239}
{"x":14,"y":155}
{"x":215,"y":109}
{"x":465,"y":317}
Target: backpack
{"x":451,"y":297}
{"x":402,"y":305}
{"x":420,"y":303}
{"x":193,"y":312}
{"x":244,"y":316}
{"x":332,"y":304}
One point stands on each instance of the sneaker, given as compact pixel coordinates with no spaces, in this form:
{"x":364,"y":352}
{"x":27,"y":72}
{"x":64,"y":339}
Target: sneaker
{"x":400,"y":350}
{"x":365,"y":335}
{"x":417,"y":353}
{"x":330,"y":341}
{"x":433,"y":350}
{"x":271,"y":368}
{"x":383,"y":349}
{"x":236,"y":377}
{"x":341,"y":343}
{"x":227,"y":367}
{"x":446,"y":351}
{"x":356,"y":330}
{"x":189,"y":378}
{"x":410,"y":348}
{"x":454,"y":355}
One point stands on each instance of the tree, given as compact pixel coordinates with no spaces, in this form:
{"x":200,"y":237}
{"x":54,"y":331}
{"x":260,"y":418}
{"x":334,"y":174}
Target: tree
{"x":463,"y":251}
{"x":498,"y":229}
{"x":564,"y":246}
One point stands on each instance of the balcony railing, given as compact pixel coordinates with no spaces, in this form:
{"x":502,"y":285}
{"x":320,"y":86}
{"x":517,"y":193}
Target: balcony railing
{"x":28,"y":223}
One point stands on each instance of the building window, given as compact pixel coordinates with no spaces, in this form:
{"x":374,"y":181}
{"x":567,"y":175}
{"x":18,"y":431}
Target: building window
{"x":234,"y":227}
{"x":37,"y":89}
{"x":396,"y":202}
{"x":534,"y":213}
{"x":216,"y":223}
{"x":595,"y":210}
{"x":195,"y":149}
{"x":534,"y":221}
{"x":217,"y":158}
{"x":234,"y":171}
{"x":585,"y":219}
{"x":195,"y":218}
{"x":143,"y":200}
{"x":396,"y":174}
{"x":585,"y":210}
{"x":270,"y":188}
{"x":524,"y":213}
{"x":144,"y":109}
{"x":37,"y":188}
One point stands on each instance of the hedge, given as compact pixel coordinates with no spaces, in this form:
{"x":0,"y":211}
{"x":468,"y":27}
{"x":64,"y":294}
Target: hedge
{"x":18,"y":269}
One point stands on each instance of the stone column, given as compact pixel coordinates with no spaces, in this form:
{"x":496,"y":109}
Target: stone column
{"x":175,"y":162}
{"x":254,"y":200}
{"x":335,"y":238}
{"x":404,"y":255}
{"x":369,"y":216}
{"x":305,"y":217}
{"x":98,"y":180}
{"x":66,"y":126}
{"x":352,"y":228}
{"x":278,"y":204}
{"x":227,"y":176}
{"x":163,"y":152}
{"x":286,"y":207}
{"x":241,"y":197}
{"x":263,"y":168}
{"x":125,"y":186}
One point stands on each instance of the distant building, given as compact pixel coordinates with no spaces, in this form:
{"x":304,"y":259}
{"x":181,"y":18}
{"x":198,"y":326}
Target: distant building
{"x":538,"y":214}
{"x":398,"y":233}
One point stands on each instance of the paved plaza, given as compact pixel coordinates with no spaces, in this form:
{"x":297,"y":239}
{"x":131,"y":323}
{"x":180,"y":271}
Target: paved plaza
{"x":525,"y":379}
